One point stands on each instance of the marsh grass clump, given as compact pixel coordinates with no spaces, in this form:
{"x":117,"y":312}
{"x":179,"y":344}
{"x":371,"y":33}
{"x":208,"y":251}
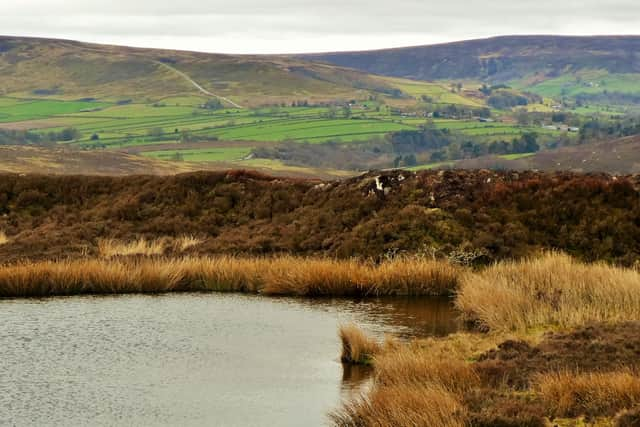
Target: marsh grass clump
{"x":415,"y":276}
{"x":554,"y":289}
{"x":357,"y":347}
{"x":571,"y":394}
{"x":417,"y":366}
{"x":3,"y":238}
{"x":421,"y":383}
{"x":403,"y":406}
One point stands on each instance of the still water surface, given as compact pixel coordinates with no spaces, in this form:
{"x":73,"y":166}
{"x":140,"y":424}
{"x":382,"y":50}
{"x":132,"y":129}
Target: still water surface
{"x":189,"y":359}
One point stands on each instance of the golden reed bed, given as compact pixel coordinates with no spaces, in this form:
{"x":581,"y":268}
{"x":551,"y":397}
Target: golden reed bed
{"x":285,"y":275}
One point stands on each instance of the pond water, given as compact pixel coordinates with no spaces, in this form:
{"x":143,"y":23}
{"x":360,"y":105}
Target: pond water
{"x":189,"y":359}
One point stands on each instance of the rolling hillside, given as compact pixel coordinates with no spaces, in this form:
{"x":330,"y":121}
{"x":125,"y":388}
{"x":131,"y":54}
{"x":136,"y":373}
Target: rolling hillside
{"x":499,"y":59}
{"x":64,"y":69}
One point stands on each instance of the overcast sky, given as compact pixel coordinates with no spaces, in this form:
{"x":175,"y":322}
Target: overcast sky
{"x":291,"y":26}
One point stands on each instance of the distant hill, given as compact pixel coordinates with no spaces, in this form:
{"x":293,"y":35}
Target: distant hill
{"x":63,"y":69}
{"x":498,"y":59}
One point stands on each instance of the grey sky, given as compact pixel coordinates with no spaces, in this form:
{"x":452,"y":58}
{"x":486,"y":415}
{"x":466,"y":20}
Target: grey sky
{"x":279,"y":26}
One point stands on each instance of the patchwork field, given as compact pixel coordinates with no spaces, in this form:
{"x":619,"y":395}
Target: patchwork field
{"x":145,"y":123}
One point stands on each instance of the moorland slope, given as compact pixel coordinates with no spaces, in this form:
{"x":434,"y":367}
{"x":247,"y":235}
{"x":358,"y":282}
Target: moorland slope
{"x":71,"y":70}
{"x":498,"y":59}
{"x":494,"y":215}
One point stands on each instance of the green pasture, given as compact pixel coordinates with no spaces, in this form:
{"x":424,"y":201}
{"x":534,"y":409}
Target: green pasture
{"x":168,"y":121}
{"x":588,"y":82}
{"x":516,"y":156}
{"x":202,"y":155}
{"x":12,"y":110}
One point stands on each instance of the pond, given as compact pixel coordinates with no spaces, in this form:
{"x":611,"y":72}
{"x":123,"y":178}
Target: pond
{"x":190,"y":359}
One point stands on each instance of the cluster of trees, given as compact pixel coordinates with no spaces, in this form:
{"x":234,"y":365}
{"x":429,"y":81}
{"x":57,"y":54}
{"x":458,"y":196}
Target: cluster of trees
{"x":213,"y":104}
{"x":597,"y":129}
{"x":526,"y":143}
{"x":452,"y":110}
{"x":507,"y":100}
{"x":488,"y":90}
{"x":412,"y":141}
{"x":65,"y":135}
{"x":17,"y":137}
{"x":607,"y":98}
{"x":445,"y":145}
{"x":504,"y":99}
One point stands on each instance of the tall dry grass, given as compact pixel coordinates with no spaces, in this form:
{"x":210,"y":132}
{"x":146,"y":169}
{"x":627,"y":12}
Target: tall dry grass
{"x":3,"y":238}
{"x":276,"y":276}
{"x":421,"y":383}
{"x":570,"y":394}
{"x":553,"y":289}
{"x":403,"y":406}
{"x":323,"y":276}
{"x":357,"y":347}
{"x":414,"y":384}
{"x":416,"y":366}
{"x":183,"y":243}
{"x":111,"y":247}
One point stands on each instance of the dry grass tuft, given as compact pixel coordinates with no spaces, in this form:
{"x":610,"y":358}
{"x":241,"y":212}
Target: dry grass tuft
{"x":357,"y":347}
{"x":411,"y":276}
{"x":109,"y":248}
{"x":403,"y":406}
{"x":554,"y":289}
{"x":3,"y":238}
{"x":417,"y":366}
{"x":568,"y":394}
{"x":183,"y":243}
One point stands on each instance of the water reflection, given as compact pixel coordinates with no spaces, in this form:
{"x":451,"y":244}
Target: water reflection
{"x":404,"y":317}
{"x":356,"y":380}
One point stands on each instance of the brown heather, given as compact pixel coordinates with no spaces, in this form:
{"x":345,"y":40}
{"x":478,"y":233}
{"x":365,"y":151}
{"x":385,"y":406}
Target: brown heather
{"x":501,"y":215}
{"x":285,"y":275}
{"x":554,"y":289}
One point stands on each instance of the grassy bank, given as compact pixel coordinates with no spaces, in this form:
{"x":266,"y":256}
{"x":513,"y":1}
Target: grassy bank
{"x":560,"y":347}
{"x":551,"y":290}
{"x":284,"y":275}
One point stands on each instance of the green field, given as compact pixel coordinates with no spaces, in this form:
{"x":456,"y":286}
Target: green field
{"x":202,"y":155}
{"x":587,"y":82}
{"x":15,"y":110}
{"x":517,"y":156}
{"x":181,"y":119}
